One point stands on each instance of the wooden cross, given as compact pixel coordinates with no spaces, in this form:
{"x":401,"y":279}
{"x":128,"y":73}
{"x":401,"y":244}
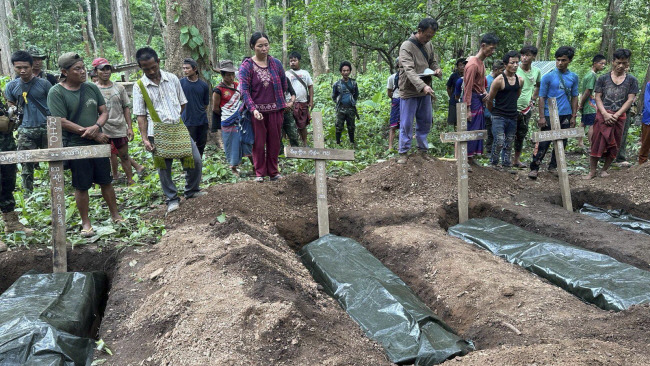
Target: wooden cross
{"x":320,"y":155}
{"x":55,"y":155}
{"x":556,"y":134}
{"x":461,"y":137}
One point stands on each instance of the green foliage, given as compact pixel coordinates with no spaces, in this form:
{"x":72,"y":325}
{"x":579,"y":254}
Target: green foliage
{"x":191,"y":38}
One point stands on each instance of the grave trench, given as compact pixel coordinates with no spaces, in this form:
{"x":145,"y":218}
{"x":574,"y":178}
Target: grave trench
{"x":16,"y":263}
{"x":545,"y":215}
{"x":357,"y":227}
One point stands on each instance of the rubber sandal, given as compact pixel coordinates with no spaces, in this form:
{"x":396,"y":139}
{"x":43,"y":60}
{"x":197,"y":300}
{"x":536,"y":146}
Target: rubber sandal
{"x":141,"y":173}
{"x":87,"y":233}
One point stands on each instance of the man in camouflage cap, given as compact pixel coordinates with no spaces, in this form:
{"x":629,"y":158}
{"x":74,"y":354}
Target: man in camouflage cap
{"x":39,"y":56}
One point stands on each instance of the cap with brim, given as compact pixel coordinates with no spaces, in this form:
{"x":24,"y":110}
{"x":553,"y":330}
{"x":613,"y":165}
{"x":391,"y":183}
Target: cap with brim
{"x":227,"y":66}
{"x":36,"y":52}
{"x":99,"y":63}
{"x":68,"y":59}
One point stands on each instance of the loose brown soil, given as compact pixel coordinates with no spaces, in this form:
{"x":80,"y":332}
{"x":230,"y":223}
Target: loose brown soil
{"x":235,"y":293}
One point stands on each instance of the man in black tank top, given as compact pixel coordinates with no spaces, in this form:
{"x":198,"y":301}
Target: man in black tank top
{"x":504,"y":92}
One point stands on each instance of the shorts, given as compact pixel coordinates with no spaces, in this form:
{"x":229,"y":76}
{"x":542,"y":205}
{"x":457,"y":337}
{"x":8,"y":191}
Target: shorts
{"x":394,"y":113}
{"x":85,"y":172}
{"x":588,"y":119}
{"x":119,"y":141}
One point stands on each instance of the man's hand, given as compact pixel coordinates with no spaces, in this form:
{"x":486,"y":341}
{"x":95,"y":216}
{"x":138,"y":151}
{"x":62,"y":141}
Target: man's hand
{"x":90,"y":132}
{"x":148,"y":145}
{"x":289,"y":105}
{"x":541,"y":122}
{"x":129,"y":134}
{"x":258,"y":115}
{"x":572,"y":122}
{"x":427,"y":90}
{"x":101,"y":138}
{"x":437,"y":73}
{"x":311,"y":105}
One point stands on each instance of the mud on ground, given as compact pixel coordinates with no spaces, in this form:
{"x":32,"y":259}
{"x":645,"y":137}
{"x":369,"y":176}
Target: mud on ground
{"x":234,"y":293}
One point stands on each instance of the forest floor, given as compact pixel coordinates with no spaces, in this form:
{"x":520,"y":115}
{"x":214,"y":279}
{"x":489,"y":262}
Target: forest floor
{"x":236,"y":293}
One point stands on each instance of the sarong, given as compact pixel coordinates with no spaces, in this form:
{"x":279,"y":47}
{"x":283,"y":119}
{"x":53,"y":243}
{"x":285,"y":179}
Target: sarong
{"x":477,"y":123}
{"x":301,"y":114}
{"x":606,"y":139}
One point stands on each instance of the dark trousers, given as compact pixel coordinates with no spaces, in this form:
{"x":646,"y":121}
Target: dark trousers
{"x":542,"y":147}
{"x":522,"y":130}
{"x":490,"y":136}
{"x":7,"y":175}
{"x":200,"y":136}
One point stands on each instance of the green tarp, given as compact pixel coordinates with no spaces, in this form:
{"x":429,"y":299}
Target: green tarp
{"x":384,"y":306}
{"x":47,"y":319}
{"x":593,"y":277}
{"x":619,"y":218}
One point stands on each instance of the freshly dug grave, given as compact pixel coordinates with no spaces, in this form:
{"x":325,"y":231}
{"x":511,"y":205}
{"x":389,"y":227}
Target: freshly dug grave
{"x":234,"y":293}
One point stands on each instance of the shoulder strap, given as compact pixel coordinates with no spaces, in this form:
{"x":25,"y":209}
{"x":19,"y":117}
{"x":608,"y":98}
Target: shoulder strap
{"x":82,"y":99}
{"x":421,"y":47}
{"x":26,"y":95}
{"x":227,"y":87}
{"x":566,"y":92}
{"x":148,"y":102}
{"x":396,"y":82}
{"x":301,"y":82}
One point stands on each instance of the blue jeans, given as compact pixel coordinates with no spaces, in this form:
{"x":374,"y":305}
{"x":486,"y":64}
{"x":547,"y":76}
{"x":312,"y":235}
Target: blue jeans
{"x":418,"y":108}
{"x":503,"y":130}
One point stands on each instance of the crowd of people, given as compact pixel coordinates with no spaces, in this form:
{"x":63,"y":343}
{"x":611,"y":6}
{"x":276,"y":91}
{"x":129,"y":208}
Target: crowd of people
{"x":259,"y":103}
{"x":503,"y":101}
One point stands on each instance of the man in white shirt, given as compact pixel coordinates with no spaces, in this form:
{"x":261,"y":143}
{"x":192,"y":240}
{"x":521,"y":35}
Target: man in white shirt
{"x":166,"y":94}
{"x":304,"y":88}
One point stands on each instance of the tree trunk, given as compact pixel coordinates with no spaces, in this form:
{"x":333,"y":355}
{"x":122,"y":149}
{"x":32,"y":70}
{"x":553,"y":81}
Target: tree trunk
{"x":259,"y":17}
{"x":89,"y":26}
{"x":159,"y":19}
{"x":28,"y":15}
{"x":315,"y":56}
{"x":99,"y":38}
{"x":9,"y":9}
{"x":5,"y":47}
{"x":326,"y":52}
{"x":528,"y":32}
{"x":610,"y":24}
{"x":285,"y":41}
{"x":249,"y":26}
{"x":84,"y":31}
{"x":355,"y":61}
{"x":123,"y":31}
{"x":187,"y":17}
{"x":209,"y":42}
{"x":542,"y":26}
{"x":551,"y":29}
{"x":57,"y":25}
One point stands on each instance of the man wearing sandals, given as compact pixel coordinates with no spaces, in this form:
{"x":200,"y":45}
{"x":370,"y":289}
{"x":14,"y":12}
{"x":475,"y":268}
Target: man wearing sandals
{"x":83,"y":113}
{"x":158,"y":101}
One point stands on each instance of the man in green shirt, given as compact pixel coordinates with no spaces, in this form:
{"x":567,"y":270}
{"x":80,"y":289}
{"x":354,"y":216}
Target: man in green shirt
{"x":83,"y":127}
{"x":587,"y":103}
{"x":526,"y":102}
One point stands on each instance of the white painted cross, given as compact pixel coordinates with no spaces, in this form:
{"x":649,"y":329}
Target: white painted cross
{"x":55,"y":155}
{"x":320,"y":155}
{"x":461,"y":137}
{"x":556,"y":134}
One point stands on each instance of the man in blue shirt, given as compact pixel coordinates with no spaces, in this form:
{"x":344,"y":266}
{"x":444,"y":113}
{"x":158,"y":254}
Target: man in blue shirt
{"x":562,"y":85}
{"x":195,"y":114}
{"x":29,"y":94}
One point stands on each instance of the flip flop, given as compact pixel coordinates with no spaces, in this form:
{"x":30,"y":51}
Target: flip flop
{"x":87,"y":233}
{"x":141,"y":173}
{"x":119,"y":221}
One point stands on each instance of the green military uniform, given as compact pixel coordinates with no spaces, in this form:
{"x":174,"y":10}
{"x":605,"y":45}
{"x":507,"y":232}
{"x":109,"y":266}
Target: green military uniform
{"x":289,"y":127}
{"x":345,"y":94}
{"x":30,"y":139}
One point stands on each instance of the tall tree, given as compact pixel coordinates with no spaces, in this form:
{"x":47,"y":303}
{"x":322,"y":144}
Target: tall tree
{"x":285,"y":41}
{"x":5,"y":47}
{"x":96,"y":23}
{"x":260,"y":25}
{"x":187,"y":34}
{"x":315,"y":56}
{"x":551,"y":29}
{"x":542,"y":25}
{"x":123,"y":29}
{"x":89,"y":26}
{"x":610,"y":25}
{"x":155,"y":4}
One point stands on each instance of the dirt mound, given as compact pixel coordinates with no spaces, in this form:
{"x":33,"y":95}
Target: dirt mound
{"x":235,"y":293}
{"x":222,"y":298}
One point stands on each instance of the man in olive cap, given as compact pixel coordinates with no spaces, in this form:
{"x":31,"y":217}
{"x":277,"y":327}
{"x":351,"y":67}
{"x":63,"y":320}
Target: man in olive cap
{"x":38,"y":55}
{"x":83,"y":113}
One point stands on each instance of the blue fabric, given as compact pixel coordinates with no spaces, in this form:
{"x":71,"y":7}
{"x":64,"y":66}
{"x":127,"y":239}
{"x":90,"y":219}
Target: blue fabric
{"x":37,"y":94}
{"x":233,"y":119}
{"x":503,"y":130}
{"x":489,"y":79}
{"x":348,"y":92}
{"x":588,"y":119}
{"x":451,"y":84}
{"x":198,"y":97}
{"x":551,"y":87}
{"x":646,"y":105}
